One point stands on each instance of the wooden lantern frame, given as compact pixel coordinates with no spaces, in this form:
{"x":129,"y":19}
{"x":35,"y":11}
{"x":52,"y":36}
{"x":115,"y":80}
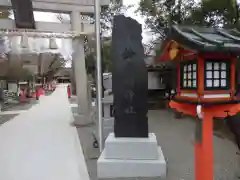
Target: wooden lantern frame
{"x":200,"y":94}
{"x":197,"y":44}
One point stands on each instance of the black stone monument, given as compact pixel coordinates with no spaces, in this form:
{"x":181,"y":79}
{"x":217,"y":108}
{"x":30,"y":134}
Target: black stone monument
{"x":129,"y":79}
{"x":23,"y":14}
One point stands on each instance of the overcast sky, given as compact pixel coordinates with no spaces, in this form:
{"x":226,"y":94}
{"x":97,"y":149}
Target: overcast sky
{"x":131,"y":11}
{"x":137,"y":17}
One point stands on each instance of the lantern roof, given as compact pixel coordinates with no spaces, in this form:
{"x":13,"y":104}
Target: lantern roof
{"x":203,"y":40}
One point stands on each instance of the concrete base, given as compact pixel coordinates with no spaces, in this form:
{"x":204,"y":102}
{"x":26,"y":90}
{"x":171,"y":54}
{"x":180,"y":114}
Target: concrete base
{"x":132,"y":148}
{"x":125,"y":158}
{"x":83,"y":120}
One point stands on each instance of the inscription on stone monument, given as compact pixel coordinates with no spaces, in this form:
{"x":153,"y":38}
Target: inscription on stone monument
{"x":129,"y":79}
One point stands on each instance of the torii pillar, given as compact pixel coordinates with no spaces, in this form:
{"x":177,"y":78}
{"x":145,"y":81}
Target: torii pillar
{"x":84,"y":116}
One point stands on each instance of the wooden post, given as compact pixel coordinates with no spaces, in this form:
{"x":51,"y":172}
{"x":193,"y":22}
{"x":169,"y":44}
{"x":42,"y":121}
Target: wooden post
{"x":207,"y":146}
{"x":198,"y":161}
{"x":204,"y":148}
{"x":198,"y":150}
{"x":200,"y":77}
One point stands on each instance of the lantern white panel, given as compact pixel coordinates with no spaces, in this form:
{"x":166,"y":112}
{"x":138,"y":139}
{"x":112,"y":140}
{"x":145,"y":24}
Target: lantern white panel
{"x":194,"y":75}
{"x":185,"y":83}
{"x":216,"y":83}
{"x":209,"y":74}
{"x":209,"y":83}
{"x":185,"y":68}
{"x":216,"y":74}
{"x":209,"y":66}
{"x":223,"y":66}
{"x":216,"y":66}
{"x":194,"y":67}
{"x":185,"y":76}
{"x":194,"y":83}
{"x":223,"y":83}
{"x":223,"y":74}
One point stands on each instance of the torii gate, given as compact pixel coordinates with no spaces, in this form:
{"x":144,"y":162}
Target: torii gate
{"x":76,"y":30}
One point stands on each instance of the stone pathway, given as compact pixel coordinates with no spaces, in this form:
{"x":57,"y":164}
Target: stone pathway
{"x":41,"y":144}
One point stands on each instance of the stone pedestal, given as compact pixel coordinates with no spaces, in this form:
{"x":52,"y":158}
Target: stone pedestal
{"x":131,"y":157}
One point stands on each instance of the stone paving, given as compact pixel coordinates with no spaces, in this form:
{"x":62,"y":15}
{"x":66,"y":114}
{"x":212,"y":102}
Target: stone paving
{"x":41,"y":144}
{"x":176,"y":137}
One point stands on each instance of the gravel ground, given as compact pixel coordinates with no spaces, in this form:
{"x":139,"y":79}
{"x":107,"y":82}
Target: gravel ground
{"x":5,"y":118}
{"x":16,"y":107}
{"x":175,"y":136}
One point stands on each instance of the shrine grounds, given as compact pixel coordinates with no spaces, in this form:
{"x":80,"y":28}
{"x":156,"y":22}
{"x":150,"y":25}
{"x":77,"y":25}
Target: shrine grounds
{"x":176,"y":137}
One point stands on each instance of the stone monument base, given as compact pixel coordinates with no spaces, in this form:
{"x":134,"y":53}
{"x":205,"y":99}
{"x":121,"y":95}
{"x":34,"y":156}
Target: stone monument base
{"x":131,"y":157}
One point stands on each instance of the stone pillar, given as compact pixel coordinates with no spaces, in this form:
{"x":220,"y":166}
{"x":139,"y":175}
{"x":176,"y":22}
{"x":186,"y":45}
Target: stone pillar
{"x":84,"y":112}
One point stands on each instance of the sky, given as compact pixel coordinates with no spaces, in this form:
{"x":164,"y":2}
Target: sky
{"x":131,"y":13}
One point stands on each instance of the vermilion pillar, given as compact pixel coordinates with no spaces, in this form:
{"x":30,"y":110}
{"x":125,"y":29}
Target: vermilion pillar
{"x":204,"y":148}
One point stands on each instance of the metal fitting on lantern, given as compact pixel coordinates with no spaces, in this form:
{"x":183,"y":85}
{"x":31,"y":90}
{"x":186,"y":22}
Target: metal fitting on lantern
{"x":199,"y":112}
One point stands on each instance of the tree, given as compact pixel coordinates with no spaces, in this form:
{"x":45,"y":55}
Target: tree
{"x":106,"y":59}
{"x":223,"y":13}
{"x":106,"y":22}
{"x":160,"y":14}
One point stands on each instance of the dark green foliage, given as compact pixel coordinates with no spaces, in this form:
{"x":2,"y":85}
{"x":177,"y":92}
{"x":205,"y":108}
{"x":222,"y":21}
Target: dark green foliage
{"x":159,"y":14}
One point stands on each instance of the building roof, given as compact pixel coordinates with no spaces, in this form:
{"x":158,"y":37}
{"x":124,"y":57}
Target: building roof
{"x":203,"y":39}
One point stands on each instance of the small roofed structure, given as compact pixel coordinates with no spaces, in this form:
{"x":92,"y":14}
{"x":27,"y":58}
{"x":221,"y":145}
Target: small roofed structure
{"x":206,"y":63}
{"x":206,"y":82}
